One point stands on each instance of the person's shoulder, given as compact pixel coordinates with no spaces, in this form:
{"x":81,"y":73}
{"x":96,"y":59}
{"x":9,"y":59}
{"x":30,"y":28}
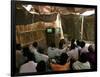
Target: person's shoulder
{"x":68,"y":52}
{"x":87,"y":62}
{"x":45,"y":55}
{"x":31,"y":63}
{"x":49,"y":48}
{"x":22,"y":66}
{"x":71,"y":51}
{"x":34,"y":63}
{"x":67,"y":63}
{"x":76,"y":62}
{"x":55,"y":65}
{"x":77,"y":48}
{"x":18,"y":52}
{"x":84,"y":49}
{"x":57,"y":49}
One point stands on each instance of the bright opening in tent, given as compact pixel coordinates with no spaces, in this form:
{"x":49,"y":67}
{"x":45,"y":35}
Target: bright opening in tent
{"x":87,"y":13}
{"x":28,"y":7}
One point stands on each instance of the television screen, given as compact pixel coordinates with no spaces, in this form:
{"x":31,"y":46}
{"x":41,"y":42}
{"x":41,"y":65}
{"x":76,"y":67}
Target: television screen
{"x":71,"y":48}
{"x":49,"y":31}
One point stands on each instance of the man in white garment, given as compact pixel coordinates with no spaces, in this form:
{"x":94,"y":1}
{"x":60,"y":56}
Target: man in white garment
{"x":20,"y":59}
{"x":82,"y":63}
{"x":84,"y":49}
{"x":29,"y":66}
{"x":53,"y":52}
{"x":38,"y":56}
{"x":73,"y":53}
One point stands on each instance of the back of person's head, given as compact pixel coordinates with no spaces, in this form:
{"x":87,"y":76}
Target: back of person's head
{"x":52,"y":44}
{"x":35,"y":44}
{"x":63,"y":58}
{"x":72,"y":41}
{"x":31,"y":57}
{"x":40,"y":50}
{"x":61,"y":43}
{"x":27,"y":53}
{"x":18,"y":47}
{"x":78,"y":43}
{"x":83,"y":58}
{"x":72,"y":46}
{"x":91,"y":48}
{"x":82,"y":44}
{"x":41,"y":66}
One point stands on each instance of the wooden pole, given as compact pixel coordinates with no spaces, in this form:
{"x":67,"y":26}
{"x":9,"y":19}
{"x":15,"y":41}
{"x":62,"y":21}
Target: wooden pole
{"x":82,"y":26}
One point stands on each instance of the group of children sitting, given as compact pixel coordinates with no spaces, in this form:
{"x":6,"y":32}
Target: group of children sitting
{"x":77,"y":56}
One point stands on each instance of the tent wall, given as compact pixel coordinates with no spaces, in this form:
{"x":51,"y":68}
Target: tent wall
{"x":44,"y":17}
{"x":31,"y":27}
{"x":27,"y":34}
{"x":71,"y":25}
{"x":23,"y":17}
{"x":89,"y":28}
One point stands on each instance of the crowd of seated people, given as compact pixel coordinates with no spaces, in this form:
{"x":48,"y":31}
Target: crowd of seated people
{"x":32,"y":58}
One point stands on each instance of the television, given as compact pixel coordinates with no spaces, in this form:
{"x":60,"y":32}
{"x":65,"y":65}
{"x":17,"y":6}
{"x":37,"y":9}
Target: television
{"x":49,"y":31}
{"x":30,"y":20}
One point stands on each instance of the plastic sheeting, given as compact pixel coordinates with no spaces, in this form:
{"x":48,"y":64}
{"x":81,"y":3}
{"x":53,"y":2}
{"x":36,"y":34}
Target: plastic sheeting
{"x":71,"y":25}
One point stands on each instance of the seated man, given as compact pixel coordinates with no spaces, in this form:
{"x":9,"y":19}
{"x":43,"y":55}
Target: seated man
{"x":73,"y":53}
{"x":41,"y":66}
{"x":82,"y":63}
{"x":84,"y":49}
{"x":39,"y":55}
{"x":20,"y":59}
{"x":62,"y":47}
{"x":33,"y":47}
{"x":63,"y":64}
{"x":30,"y":65}
{"x":52,"y":51}
{"x":92,"y":56}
